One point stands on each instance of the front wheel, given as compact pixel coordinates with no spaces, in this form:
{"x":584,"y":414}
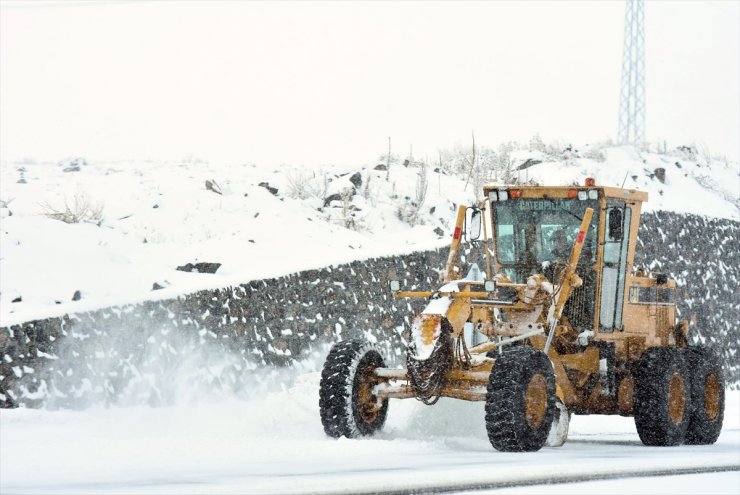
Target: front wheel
{"x":520,"y":400}
{"x":347,"y":404}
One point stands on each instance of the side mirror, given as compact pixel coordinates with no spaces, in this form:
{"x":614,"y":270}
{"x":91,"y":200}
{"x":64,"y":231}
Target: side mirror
{"x":473,"y":223}
{"x":616,"y":224}
{"x":395,"y":285}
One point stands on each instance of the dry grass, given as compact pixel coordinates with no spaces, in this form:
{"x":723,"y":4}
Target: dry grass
{"x":80,"y":210}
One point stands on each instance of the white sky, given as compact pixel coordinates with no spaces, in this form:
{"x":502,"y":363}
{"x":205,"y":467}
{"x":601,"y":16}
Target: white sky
{"x":295,"y":82}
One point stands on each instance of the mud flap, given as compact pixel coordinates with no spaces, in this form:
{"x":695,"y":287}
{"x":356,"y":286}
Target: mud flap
{"x":560,"y":424}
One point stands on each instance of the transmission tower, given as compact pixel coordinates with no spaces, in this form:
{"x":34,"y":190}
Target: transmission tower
{"x":632,"y":96}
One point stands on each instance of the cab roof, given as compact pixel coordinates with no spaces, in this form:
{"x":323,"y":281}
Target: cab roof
{"x":563,"y":192}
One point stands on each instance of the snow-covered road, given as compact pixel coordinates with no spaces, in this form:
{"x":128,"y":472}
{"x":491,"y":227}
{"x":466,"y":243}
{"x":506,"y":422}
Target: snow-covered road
{"x":274,"y":444}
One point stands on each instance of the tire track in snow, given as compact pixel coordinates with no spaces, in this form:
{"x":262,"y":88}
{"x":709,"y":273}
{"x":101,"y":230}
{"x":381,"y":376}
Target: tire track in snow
{"x":549,"y":480}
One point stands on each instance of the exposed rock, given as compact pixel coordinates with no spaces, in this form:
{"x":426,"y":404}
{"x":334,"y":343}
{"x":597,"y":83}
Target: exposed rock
{"x":211,"y":185}
{"x":530,"y":162}
{"x":199,"y":267}
{"x":77,"y":295}
{"x":273,"y":190}
{"x":333,"y":197}
{"x":356,"y":179}
{"x":72,"y":165}
{"x":660,"y":174}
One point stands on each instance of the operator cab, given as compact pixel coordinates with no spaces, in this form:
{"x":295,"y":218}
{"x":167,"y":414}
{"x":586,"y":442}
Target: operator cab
{"x":535,"y":228}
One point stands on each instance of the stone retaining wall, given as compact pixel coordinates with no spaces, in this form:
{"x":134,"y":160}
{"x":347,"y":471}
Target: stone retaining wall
{"x":215,"y":340}
{"x":216,"y":337}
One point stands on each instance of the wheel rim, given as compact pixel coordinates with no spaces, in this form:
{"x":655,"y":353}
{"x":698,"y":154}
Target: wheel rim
{"x":368,"y":405}
{"x":536,"y":405}
{"x":711,"y":396}
{"x":676,"y":398}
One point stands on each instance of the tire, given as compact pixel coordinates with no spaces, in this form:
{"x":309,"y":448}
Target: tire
{"x":707,"y":397}
{"x":520,"y":400}
{"x":346,"y":403}
{"x":507,"y":348}
{"x":662,"y":402}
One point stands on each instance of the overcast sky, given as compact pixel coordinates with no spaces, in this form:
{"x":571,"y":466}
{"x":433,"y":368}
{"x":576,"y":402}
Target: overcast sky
{"x":301,"y":82}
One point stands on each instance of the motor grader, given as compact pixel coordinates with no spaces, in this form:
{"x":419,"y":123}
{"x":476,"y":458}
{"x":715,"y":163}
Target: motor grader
{"x":540,"y":335}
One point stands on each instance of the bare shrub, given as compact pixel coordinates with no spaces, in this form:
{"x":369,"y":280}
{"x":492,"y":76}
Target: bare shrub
{"x":300,"y":185}
{"x":81,"y":210}
{"x":410,"y":211}
{"x":595,"y":154}
{"x":348,"y":216}
{"x":422,"y":184}
{"x":710,"y":184}
{"x":504,"y":166}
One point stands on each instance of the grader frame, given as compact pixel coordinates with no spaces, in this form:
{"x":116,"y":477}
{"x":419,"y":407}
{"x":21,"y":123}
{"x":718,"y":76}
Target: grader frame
{"x":586,"y":334}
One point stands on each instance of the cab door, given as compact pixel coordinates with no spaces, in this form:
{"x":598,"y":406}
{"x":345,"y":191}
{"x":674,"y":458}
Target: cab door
{"x":614,"y":268}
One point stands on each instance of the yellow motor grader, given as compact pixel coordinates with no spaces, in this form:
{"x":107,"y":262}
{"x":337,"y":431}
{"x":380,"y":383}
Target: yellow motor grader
{"x":558,"y":322}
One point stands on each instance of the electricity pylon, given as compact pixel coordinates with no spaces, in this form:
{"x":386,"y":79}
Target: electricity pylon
{"x":632,"y":96}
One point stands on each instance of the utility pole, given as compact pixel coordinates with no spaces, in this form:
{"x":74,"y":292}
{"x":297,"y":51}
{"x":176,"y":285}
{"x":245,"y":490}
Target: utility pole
{"x":632,"y":95}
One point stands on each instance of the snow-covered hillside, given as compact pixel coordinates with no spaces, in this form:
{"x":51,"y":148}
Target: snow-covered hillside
{"x":140,"y":221}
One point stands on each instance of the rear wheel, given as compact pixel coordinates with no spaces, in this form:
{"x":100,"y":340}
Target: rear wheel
{"x":520,"y":401}
{"x":347,"y":404}
{"x":662,"y":402}
{"x":707,"y":397}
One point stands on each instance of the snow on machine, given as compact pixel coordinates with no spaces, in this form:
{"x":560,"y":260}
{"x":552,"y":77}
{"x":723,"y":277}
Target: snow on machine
{"x":560,"y":322}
